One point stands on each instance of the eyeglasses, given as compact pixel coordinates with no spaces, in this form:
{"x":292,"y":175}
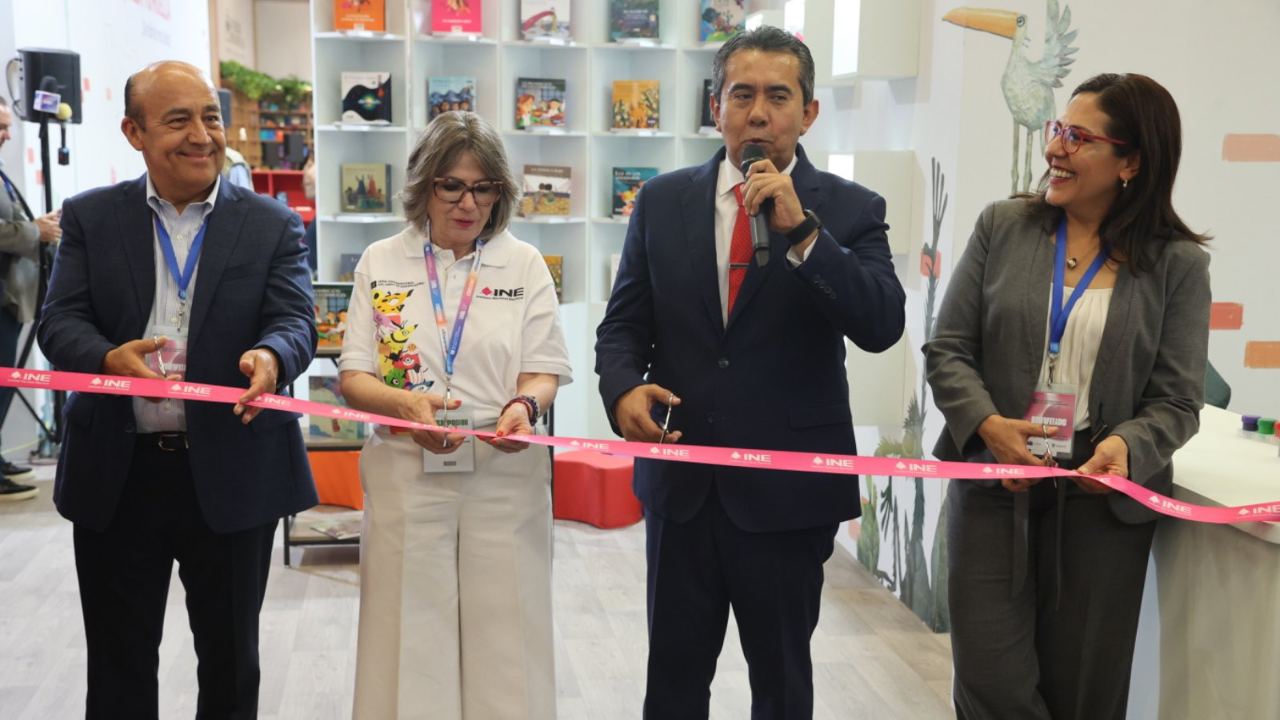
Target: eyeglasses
{"x":451,"y":190}
{"x":1073,"y":137}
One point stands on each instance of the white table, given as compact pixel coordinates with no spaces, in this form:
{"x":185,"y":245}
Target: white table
{"x":1209,"y":637}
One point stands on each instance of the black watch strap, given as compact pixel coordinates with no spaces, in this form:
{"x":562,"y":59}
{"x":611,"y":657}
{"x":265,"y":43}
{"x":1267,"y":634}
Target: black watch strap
{"x":797,"y":234}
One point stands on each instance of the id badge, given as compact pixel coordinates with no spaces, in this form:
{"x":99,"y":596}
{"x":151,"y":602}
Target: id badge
{"x":172,"y":358}
{"x":461,"y":460}
{"x":1053,"y":405}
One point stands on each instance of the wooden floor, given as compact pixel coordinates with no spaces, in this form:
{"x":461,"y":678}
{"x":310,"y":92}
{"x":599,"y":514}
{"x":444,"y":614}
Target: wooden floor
{"x":872,"y":657}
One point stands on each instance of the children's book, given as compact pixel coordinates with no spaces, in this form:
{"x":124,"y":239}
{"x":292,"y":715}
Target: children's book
{"x":456,"y":16}
{"x":633,"y":20}
{"x":547,"y":190}
{"x":366,"y":188}
{"x":720,"y":20}
{"x":540,"y":102}
{"x":635,"y":104}
{"x":545,"y":20}
{"x":331,"y":303}
{"x":366,"y":15}
{"x":450,"y":92}
{"x":555,"y":265}
{"x":366,"y":97}
{"x":328,"y":389}
{"x":627,"y":182}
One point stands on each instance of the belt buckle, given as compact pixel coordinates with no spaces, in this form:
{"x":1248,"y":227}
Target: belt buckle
{"x":169,"y":442}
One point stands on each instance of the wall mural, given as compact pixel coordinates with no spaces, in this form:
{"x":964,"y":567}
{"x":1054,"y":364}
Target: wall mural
{"x":1027,"y":85}
{"x":883,"y":515}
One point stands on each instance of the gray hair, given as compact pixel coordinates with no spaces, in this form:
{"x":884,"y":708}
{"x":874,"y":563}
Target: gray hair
{"x":765,"y":38}
{"x":439,"y":148}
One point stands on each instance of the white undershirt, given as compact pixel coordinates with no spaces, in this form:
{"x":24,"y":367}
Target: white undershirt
{"x":1079,"y":348}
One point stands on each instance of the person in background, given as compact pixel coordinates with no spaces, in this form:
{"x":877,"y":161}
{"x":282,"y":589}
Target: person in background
{"x":22,"y":239}
{"x":177,"y":274}
{"x":700,"y":344}
{"x":1074,"y":332}
{"x":455,"y":562}
{"x":309,"y":190}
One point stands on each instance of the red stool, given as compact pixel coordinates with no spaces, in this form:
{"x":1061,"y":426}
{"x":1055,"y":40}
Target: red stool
{"x":594,"y":488}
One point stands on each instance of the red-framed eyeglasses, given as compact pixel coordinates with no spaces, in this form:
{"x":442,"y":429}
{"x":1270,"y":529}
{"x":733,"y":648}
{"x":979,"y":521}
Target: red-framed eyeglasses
{"x":1073,"y":137}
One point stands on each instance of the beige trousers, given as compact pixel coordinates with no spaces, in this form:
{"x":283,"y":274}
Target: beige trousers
{"x":455,"y":587}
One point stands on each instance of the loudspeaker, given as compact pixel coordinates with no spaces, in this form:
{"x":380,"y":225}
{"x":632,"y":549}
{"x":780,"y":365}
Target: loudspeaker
{"x":61,"y":65}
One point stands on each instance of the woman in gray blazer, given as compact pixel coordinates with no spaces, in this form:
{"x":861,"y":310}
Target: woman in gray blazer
{"x":1082,"y":308}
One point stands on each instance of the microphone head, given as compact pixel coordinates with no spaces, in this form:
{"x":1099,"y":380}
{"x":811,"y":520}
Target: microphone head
{"x":751,"y":154}
{"x":64,"y":112}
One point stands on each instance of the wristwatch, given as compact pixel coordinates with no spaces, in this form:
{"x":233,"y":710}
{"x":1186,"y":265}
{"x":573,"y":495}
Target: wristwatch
{"x":797,"y":234}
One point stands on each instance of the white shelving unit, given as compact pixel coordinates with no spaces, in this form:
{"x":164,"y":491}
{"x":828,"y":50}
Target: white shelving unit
{"x":589,"y":63}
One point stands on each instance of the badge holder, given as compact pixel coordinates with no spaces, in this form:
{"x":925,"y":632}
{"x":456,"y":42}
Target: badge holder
{"x":461,"y":460}
{"x":1053,"y":405}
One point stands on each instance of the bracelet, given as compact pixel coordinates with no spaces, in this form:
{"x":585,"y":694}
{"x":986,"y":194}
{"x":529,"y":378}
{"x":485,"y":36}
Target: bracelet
{"x":530,"y":404}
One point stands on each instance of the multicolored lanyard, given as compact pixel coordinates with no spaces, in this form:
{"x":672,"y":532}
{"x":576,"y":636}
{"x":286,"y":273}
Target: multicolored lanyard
{"x":1058,"y":313}
{"x":450,"y":343}
{"x":181,"y":278}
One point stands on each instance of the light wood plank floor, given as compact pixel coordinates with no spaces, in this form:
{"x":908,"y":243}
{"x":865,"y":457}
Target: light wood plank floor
{"x":873,"y":658}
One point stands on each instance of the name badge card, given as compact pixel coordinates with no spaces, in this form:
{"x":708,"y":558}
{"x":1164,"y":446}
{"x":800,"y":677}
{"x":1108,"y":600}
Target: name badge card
{"x":461,"y":460}
{"x":1053,"y":405}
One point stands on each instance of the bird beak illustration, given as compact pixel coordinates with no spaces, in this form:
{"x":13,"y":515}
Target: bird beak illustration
{"x":996,"y":22}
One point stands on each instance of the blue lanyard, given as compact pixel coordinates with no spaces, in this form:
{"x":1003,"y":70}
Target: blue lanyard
{"x":1058,"y":313}
{"x":454,"y":342}
{"x":183,"y":278}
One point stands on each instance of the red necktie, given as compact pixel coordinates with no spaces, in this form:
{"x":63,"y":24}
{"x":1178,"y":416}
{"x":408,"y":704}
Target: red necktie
{"x":739,"y":249}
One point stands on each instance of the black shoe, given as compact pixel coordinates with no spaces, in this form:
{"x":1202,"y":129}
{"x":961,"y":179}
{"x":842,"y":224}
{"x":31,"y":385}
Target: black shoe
{"x":12,"y":492}
{"x":14,"y":472}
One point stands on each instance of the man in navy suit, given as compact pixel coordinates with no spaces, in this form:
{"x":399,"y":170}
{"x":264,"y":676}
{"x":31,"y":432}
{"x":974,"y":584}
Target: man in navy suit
{"x":175,"y":261}
{"x":744,"y":356}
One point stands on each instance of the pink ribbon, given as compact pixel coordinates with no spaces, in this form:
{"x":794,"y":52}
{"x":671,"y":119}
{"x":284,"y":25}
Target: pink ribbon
{"x":732,"y":457}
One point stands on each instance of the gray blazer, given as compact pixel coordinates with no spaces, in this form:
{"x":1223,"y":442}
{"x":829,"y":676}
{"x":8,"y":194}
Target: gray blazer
{"x":19,"y":245}
{"x":1148,"y":383}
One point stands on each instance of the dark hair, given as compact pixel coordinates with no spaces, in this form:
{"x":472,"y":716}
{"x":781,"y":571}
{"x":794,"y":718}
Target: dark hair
{"x":131,"y":109}
{"x":765,"y":38}
{"x":1142,"y":219}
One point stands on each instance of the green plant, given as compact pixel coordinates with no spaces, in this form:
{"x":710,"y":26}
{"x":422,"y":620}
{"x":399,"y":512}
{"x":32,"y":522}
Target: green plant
{"x":255,"y":85}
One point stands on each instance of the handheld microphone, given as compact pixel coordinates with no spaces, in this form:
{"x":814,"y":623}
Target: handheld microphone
{"x":752,"y":153}
{"x":64,"y":114}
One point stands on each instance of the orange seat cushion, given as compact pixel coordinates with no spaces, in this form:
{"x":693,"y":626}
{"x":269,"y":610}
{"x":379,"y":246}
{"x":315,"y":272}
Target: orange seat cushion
{"x":337,"y":476}
{"x":595,"y":488}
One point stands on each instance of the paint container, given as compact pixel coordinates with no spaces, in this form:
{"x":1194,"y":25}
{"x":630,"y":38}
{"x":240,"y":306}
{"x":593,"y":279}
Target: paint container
{"x":1266,"y":429}
{"x":1249,"y":426}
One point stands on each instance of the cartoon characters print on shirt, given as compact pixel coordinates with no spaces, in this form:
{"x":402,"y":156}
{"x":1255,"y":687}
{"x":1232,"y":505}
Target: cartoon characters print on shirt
{"x":399,"y":358}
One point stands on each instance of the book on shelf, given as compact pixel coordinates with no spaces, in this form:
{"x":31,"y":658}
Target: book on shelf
{"x":328,"y":389}
{"x":540,"y":103}
{"x":331,"y":303}
{"x":615,"y":262}
{"x":633,"y":20}
{"x":555,"y":265}
{"x":344,"y":527}
{"x":706,"y":122}
{"x":366,"y":188}
{"x":446,"y":93}
{"x":547,"y":190}
{"x":545,"y":20}
{"x":456,"y":16}
{"x":347,"y":266}
{"x":366,"y":15}
{"x":627,"y":182}
{"x":366,"y":97}
{"x":720,"y":20}
{"x":635,"y":104}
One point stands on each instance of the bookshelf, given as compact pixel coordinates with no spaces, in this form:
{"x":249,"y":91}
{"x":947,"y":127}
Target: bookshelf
{"x":589,"y":62}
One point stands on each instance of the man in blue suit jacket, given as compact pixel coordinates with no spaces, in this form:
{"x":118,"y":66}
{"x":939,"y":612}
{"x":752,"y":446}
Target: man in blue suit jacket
{"x":147,"y":483}
{"x":746,"y":357}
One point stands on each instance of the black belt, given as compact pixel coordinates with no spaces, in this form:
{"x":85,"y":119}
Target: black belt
{"x":167,"y":441}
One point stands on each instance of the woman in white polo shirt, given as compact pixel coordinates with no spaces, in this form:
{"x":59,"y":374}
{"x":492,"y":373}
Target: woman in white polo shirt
{"x":455,"y":571}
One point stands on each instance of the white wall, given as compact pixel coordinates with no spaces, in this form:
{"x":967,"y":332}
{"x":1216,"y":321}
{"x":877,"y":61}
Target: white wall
{"x":283,"y":37}
{"x":236,"y":35}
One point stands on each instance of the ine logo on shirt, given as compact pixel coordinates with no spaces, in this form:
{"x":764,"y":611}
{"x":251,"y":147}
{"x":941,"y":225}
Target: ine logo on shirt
{"x":491,"y":293}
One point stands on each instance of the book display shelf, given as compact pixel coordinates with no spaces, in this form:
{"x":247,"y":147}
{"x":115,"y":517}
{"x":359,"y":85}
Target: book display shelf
{"x":498,"y":57}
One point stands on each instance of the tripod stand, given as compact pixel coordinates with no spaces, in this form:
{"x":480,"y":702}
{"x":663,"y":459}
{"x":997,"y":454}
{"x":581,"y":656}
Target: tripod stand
{"x":51,"y":434}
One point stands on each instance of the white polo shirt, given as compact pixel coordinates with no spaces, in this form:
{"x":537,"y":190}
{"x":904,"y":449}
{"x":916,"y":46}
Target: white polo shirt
{"x":513,"y":326}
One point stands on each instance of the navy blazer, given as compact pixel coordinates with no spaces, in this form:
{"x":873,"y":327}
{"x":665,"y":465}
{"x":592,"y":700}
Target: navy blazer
{"x":774,"y":377}
{"x":253,"y":290}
